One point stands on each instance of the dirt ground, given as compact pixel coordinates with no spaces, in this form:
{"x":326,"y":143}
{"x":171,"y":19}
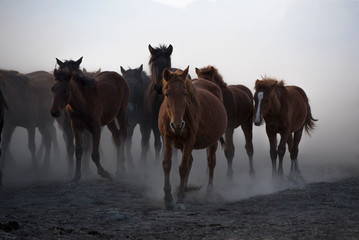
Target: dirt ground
{"x":123,"y":209}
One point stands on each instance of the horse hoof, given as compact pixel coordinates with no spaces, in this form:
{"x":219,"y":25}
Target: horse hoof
{"x":169,"y":205}
{"x":104,"y":174}
{"x":180,"y":206}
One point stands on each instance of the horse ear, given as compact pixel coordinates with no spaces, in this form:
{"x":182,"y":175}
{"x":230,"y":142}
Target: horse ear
{"x":78,"y":62}
{"x":150,"y":48}
{"x":84,"y":70}
{"x":59,"y":62}
{"x":123,"y":71}
{"x":166,"y":74}
{"x":140,"y":68}
{"x":169,"y":49}
{"x":98,"y":71}
{"x":198,"y":72}
{"x":185,"y":72}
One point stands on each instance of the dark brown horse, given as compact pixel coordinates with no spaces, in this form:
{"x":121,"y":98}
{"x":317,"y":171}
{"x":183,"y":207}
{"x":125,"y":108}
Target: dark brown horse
{"x":3,"y":106}
{"x":138,"y":81}
{"x":64,"y":122}
{"x":90,"y":104}
{"x":29,"y":98}
{"x":285,"y":110}
{"x":183,"y":123}
{"x":238,"y":101}
{"x":159,"y":61}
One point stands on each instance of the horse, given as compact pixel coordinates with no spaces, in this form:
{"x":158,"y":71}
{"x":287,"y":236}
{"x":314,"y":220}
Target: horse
{"x":29,"y":98}
{"x":3,"y":106}
{"x":65,"y":124}
{"x":90,"y":104}
{"x":184,"y":123}
{"x":238,"y":101}
{"x":138,"y":81}
{"x":285,"y":110}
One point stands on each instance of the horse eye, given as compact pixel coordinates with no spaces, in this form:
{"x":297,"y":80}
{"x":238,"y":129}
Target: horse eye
{"x":166,"y":95}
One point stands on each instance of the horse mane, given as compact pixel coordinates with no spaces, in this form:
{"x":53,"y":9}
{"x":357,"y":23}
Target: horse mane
{"x":160,"y":60}
{"x":78,"y":76}
{"x":218,"y":79}
{"x":268,"y":83}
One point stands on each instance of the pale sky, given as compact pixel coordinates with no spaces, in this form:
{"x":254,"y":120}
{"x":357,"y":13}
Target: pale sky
{"x":313,"y":44}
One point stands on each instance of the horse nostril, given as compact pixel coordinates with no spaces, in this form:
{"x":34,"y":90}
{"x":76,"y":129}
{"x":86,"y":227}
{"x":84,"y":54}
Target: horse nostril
{"x":183,"y":124}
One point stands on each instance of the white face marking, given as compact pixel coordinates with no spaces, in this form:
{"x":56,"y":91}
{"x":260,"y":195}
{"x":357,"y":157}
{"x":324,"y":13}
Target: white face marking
{"x":258,"y":117}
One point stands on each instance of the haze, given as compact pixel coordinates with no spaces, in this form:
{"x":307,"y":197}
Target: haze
{"x":312,"y":44}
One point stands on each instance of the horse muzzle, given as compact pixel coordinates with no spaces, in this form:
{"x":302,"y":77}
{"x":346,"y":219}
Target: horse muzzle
{"x":177,"y":128}
{"x":55,"y":113}
{"x":258,"y":122}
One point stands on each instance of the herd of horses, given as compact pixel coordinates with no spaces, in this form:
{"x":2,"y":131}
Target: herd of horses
{"x":185,"y":113}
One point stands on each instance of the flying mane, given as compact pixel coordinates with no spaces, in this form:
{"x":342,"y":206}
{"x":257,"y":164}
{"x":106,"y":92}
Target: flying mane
{"x":268,"y":83}
{"x":211,"y":70}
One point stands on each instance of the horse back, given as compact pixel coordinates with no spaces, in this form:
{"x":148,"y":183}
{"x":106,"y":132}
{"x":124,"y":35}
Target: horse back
{"x":238,"y":101}
{"x":213,"y":119}
{"x":200,"y":83}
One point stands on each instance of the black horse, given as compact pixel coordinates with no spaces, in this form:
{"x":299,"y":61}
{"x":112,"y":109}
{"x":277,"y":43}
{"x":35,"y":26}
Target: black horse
{"x":3,"y":105}
{"x":138,"y":82}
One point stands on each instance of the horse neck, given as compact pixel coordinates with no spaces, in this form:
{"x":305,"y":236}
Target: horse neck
{"x":277,"y":95}
{"x":78,"y":99}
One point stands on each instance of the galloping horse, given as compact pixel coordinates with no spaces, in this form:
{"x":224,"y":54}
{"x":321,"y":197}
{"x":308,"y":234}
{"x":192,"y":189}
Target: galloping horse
{"x":238,"y":101}
{"x":29,"y":98}
{"x":3,"y":105}
{"x":138,"y":82}
{"x":190,"y":118}
{"x":64,"y":122}
{"x":285,"y":110}
{"x":90,"y":104}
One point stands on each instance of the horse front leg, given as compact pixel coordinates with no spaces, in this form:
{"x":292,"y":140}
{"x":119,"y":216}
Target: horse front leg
{"x":228,"y":151}
{"x":77,"y":131}
{"x":146,"y":134}
{"x":129,"y":136}
{"x":166,"y":165}
{"x":281,"y":150}
{"x":247,"y":128}
{"x":273,"y":150}
{"x":95,"y":153}
{"x":184,"y":170}
{"x":32,"y":147}
{"x":46,"y":139}
{"x":119,"y":147}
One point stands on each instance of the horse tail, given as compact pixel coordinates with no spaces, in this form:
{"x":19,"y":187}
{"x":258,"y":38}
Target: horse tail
{"x":223,"y":143}
{"x":309,"y":124}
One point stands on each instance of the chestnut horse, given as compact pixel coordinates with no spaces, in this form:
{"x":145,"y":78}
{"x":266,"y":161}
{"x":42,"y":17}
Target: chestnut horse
{"x":238,"y":101}
{"x":90,"y":104}
{"x":184,"y":123}
{"x":285,"y":110}
{"x":138,"y":81}
{"x":3,"y":105}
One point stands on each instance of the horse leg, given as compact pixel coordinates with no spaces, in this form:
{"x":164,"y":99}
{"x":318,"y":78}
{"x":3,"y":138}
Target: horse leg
{"x":211,"y":158}
{"x":86,"y":151}
{"x":31,"y":146}
{"x":95,"y":154}
{"x":229,"y":151}
{"x":146,"y":133}
{"x":129,"y":136}
{"x":273,"y":150}
{"x":247,"y":128}
{"x":281,"y":150}
{"x":120,"y":154}
{"x":294,"y":170}
{"x":166,"y":165}
{"x":157,"y":142}
{"x":69,"y":140}
{"x":184,"y":170}
{"x":46,"y":137}
{"x":78,"y":130}
{"x":6,"y":138}
{"x":53,"y":133}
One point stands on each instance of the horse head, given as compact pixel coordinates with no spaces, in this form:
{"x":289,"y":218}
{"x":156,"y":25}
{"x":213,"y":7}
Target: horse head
{"x":175,"y":90}
{"x":159,"y":60}
{"x":211,"y":73}
{"x":69,"y":64}
{"x":266,"y":98}
{"x":61,"y":91}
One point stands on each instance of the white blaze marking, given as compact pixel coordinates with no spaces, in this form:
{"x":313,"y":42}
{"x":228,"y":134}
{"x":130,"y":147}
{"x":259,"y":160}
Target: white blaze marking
{"x":260,"y":97}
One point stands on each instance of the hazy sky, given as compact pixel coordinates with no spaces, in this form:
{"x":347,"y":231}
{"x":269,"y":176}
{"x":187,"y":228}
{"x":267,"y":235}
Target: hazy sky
{"x":312,"y":44}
